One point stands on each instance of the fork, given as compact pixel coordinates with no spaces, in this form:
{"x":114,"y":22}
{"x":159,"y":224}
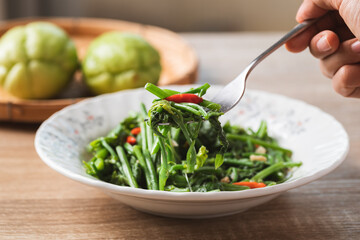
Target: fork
{"x":232,"y":93}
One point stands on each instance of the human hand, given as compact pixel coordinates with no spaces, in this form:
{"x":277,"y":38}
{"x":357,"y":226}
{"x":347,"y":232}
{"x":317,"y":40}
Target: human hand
{"x":334,"y":39}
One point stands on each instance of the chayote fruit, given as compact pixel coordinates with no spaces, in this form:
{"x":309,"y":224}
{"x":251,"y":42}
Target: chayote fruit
{"x":36,"y":60}
{"x":115,"y":61}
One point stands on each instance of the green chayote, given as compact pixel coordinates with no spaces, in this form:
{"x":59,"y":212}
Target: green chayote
{"x":36,"y":60}
{"x":115,"y":61}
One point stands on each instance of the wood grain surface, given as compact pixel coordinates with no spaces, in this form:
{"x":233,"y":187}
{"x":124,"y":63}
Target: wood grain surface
{"x":38,"y":203}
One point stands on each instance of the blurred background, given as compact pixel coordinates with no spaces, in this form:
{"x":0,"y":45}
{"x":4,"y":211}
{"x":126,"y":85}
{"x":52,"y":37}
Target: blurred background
{"x":180,"y":16}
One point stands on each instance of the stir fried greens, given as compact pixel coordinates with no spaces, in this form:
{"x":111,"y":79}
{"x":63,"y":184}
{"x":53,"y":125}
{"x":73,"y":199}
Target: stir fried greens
{"x":179,"y":145}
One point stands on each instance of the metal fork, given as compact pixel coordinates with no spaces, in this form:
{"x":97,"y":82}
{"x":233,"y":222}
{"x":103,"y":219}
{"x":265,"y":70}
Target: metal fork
{"x":232,"y":93}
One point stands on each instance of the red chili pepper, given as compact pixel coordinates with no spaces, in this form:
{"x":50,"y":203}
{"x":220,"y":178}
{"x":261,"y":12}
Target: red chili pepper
{"x":131,"y":140}
{"x":135,"y":131}
{"x":251,"y":184}
{"x":185,"y":97}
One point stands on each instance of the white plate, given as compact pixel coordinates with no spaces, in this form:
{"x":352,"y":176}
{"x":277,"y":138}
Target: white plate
{"x":315,"y":137}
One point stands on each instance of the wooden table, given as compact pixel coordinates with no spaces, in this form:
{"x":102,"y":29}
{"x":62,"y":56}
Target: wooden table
{"x":38,"y":203}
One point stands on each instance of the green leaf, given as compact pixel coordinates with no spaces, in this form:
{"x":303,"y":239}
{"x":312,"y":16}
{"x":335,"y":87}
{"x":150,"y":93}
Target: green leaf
{"x":201,"y":157}
{"x":191,"y":158}
{"x":219,"y":159}
{"x":99,"y":164}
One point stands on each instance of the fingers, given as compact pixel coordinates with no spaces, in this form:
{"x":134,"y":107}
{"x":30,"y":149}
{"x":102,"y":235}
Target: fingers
{"x":341,"y":62}
{"x":346,"y":81}
{"x":324,"y":44}
{"x":330,"y":21}
{"x":300,"y":42}
{"x":349,"y":10}
{"x":347,"y":53}
{"x":316,"y":8}
{"x":308,"y":10}
{"x":337,"y":47}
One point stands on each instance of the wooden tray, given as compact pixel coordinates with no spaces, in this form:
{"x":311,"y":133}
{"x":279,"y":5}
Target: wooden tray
{"x":179,"y":63}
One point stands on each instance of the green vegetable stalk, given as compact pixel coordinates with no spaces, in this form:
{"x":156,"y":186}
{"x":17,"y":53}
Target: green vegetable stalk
{"x":179,"y":145}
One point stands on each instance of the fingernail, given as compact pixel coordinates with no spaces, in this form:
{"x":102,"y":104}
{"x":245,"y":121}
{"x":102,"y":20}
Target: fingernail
{"x":323,"y":44}
{"x":355,"y":47}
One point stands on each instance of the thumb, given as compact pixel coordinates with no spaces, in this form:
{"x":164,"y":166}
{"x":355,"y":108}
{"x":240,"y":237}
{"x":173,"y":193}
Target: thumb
{"x":349,"y":11}
{"x":316,"y":8}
